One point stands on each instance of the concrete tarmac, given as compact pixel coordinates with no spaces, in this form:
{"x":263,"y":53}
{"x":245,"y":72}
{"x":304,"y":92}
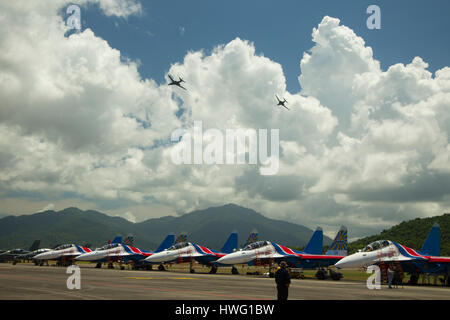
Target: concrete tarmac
{"x":26,"y":281}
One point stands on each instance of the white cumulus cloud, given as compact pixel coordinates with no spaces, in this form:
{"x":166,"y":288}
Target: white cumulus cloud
{"x":359,"y":146}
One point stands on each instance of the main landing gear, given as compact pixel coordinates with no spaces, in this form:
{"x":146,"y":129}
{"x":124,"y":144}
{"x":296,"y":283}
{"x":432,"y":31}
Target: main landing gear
{"x":161,"y":267}
{"x":234,"y":270}
{"x":213,"y":269}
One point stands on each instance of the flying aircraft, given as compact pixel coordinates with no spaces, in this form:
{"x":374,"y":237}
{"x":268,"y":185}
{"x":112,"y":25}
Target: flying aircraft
{"x":64,"y":254}
{"x":190,"y":252}
{"x":122,"y":253}
{"x":386,"y":253}
{"x":13,"y":254}
{"x":281,"y":103}
{"x":265,"y":252}
{"x":175,"y":82}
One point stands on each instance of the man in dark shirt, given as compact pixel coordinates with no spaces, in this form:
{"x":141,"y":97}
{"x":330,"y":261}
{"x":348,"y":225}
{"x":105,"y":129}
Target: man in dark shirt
{"x":282,"y":279}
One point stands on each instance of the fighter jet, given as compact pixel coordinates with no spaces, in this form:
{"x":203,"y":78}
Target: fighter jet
{"x":122,"y":253}
{"x":13,"y":254}
{"x":265,"y":252}
{"x":64,"y":254}
{"x":385,"y":253}
{"x":32,"y":254}
{"x":189,"y":252}
{"x":176,"y":83}
{"x":281,"y":103}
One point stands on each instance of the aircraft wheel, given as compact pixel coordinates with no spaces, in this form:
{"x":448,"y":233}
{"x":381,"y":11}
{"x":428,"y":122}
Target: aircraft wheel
{"x":234,"y":270}
{"x":414,"y":279}
{"x":161,"y":268}
{"x":321,"y":275}
{"x":98,"y":265}
{"x":213,"y":270}
{"x":192,"y":271}
{"x":149,"y":267}
{"x":335,"y":275}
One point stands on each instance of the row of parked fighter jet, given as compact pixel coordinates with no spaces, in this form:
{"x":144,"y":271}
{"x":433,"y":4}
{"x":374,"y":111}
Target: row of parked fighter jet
{"x":178,"y":82}
{"x":382,"y":252}
{"x":179,"y":251}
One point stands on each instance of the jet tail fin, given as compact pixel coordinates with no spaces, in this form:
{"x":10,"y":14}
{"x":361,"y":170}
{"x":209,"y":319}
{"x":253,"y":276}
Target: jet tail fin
{"x":231,"y":243}
{"x":253,"y":237}
{"x":129,"y":240}
{"x":117,"y":239}
{"x":35,"y":245}
{"x":182,"y":237}
{"x":167,"y":242}
{"x":339,"y":244}
{"x":432,"y":245}
{"x":315,"y":244}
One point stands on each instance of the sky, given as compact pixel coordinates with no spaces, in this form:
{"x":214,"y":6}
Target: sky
{"x":86,"y":116}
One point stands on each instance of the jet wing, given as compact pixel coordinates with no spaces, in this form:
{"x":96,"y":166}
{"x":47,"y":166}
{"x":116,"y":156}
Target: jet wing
{"x":439,"y":259}
{"x":320,"y":257}
{"x":119,"y":254}
{"x":170,"y":77}
{"x":398,"y":258}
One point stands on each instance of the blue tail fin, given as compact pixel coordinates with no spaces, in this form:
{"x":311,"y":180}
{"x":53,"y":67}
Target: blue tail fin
{"x":129,"y":240}
{"x":432,"y":245}
{"x":315,"y":244}
{"x":253,"y":237}
{"x":167,"y":242}
{"x":231,"y":243}
{"x":182,"y":237}
{"x":339,"y":245}
{"x":117,"y":239}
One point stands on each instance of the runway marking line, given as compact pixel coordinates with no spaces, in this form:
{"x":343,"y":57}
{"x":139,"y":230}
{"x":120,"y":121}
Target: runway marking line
{"x":151,"y":278}
{"x":112,"y":285}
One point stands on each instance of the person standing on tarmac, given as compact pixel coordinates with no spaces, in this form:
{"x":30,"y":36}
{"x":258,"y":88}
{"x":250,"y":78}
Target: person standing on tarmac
{"x":282,"y":279}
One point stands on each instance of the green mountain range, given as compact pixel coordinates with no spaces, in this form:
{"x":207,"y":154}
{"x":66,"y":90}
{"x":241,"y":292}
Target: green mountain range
{"x":411,"y":233}
{"x":209,"y":227}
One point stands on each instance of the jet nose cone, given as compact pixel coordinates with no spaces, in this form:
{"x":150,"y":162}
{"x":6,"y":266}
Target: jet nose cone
{"x":91,"y":256}
{"x":161,"y":257}
{"x":352,"y":261}
{"x":156,"y":257}
{"x":43,"y":256}
{"x":83,"y":257}
{"x":340,"y":263}
{"x":230,"y":259}
{"x":223,"y":260}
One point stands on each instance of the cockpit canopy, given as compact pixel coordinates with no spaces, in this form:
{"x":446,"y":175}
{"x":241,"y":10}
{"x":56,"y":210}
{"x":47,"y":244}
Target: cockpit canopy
{"x":64,"y":246}
{"x":178,"y":245}
{"x":376,"y":245}
{"x":256,"y":245}
{"x":108,"y":246}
